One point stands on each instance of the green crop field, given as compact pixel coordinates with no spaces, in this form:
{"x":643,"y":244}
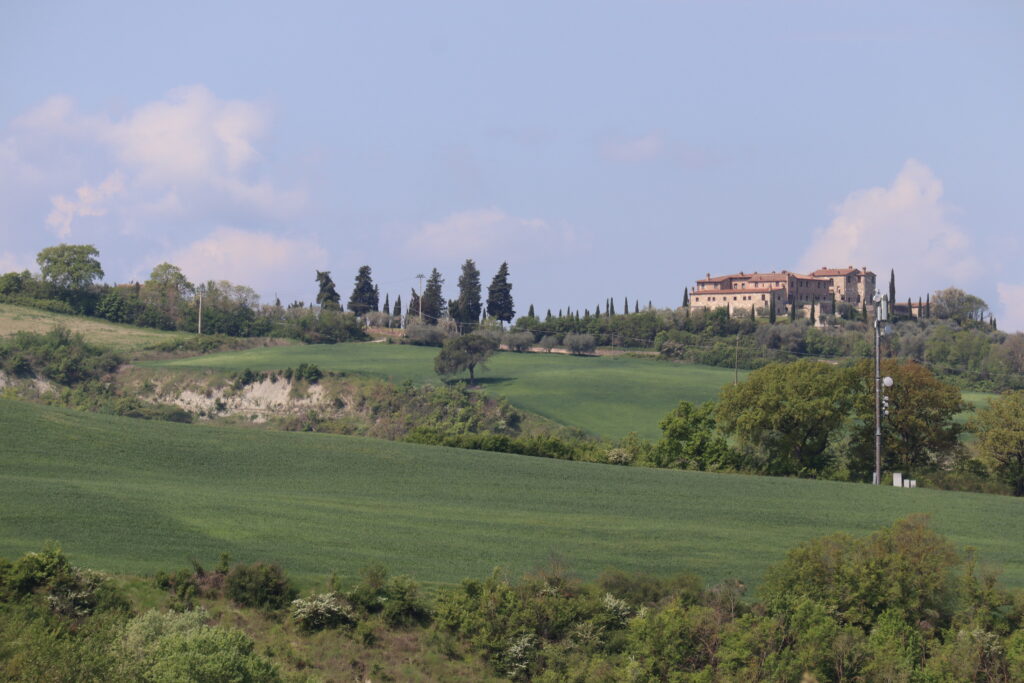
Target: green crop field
{"x":134,"y":496}
{"x":100,"y":332}
{"x":608,"y":396}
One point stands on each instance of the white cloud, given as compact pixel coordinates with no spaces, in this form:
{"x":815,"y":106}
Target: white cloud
{"x":906,"y":227}
{"x":634,"y":150}
{"x":1012,"y":299}
{"x":91,"y":201}
{"x":487,"y":231}
{"x":188,"y":155}
{"x":257,"y":259}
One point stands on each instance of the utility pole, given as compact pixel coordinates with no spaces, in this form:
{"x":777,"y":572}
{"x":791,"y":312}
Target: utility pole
{"x":881,"y":315}
{"x":200,"y":312}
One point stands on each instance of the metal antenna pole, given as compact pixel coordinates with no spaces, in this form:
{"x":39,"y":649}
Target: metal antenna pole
{"x":878,"y":403}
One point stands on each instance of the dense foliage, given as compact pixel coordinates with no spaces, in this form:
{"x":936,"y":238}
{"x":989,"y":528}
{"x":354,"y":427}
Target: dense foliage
{"x":901,"y":604}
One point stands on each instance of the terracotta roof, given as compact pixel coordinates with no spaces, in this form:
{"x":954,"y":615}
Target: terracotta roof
{"x":835,"y":271}
{"x":745,"y":290}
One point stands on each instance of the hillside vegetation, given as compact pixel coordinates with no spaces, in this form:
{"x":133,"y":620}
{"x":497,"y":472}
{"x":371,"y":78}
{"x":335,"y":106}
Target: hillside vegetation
{"x":116,"y":336}
{"x":132,"y":496}
{"x":608,"y":396}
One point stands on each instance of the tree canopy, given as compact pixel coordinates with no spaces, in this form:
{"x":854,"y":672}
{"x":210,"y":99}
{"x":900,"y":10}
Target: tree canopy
{"x":460,"y":354}
{"x":499,"y":296}
{"x":432,"y":303}
{"x":364,"y":295}
{"x":956,"y":304}
{"x":327,"y":297}
{"x":70,"y":266}
{"x":466,"y":309}
{"x":786,"y":415}
{"x":1000,"y":430}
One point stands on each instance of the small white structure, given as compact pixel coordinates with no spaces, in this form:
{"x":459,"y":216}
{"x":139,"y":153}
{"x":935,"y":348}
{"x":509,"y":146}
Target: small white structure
{"x":897,"y":479}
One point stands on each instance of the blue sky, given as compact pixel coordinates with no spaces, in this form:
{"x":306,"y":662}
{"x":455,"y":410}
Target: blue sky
{"x":602,"y":149}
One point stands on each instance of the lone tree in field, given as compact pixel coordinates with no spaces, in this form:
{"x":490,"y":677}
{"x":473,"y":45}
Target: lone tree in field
{"x":460,"y":354}
{"x":328,"y":296}
{"x":364,"y":295}
{"x":467,"y":308}
{"x":499,"y":296}
{"x":1000,"y":430}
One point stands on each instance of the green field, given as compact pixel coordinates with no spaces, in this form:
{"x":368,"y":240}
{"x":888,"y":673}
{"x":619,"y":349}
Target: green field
{"x":135,"y":496}
{"x":100,"y":332}
{"x":608,"y":396}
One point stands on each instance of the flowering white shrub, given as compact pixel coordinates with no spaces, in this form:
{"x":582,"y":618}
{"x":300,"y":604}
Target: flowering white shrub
{"x":318,"y":612}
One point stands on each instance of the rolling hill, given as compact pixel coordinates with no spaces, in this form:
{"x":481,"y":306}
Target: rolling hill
{"x":135,"y":496}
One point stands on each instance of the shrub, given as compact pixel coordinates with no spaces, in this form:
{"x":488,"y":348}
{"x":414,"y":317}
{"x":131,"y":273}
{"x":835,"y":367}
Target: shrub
{"x":322,"y":611}
{"x":518,"y":341}
{"x":580,"y":344}
{"x":549,"y":342}
{"x":259,"y":585}
{"x":424,"y":335}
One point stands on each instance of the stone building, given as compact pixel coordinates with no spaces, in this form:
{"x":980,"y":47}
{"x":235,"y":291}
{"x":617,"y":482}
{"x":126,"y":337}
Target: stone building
{"x":822,"y":289}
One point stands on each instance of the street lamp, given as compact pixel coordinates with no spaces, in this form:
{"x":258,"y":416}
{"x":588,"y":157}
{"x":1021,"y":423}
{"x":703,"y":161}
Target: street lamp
{"x":881,"y":316}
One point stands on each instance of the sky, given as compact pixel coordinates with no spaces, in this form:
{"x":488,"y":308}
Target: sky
{"x":602,"y":149}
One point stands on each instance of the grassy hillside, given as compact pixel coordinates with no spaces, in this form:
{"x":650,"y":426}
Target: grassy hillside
{"x":111,"y":335}
{"x":136,"y":496}
{"x":608,"y":396}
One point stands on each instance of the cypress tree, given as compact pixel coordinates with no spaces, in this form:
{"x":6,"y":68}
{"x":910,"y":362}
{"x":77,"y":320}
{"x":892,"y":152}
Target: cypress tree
{"x":529,"y":313}
{"x":387,"y":304}
{"x":466,"y":310}
{"x":753,"y":316}
{"x":864,"y":311}
{"x":548,"y":317}
{"x":499,"y":296}
{"x":892,"y":289}
{"x":364,"y":294}
{"x":792,"y":312}
{"x":928,"y":305}
{"x":397,"y":310}
{"x":559,"y":312}
{"x":415,"y":309}
{"x":686,"y":297}
{"x":612,"y":309}
{"x":432,"y":303}
{"x":636,"y":305}
{"x":586,"y":313}
{"x":910,"y":308}
{"x":625,"y":305}
{"x":812,"y":313}
{"x":327,"y":297}
{"x":650,"y":306}
{"x":771,"y":308}
{"x":920,"y":308}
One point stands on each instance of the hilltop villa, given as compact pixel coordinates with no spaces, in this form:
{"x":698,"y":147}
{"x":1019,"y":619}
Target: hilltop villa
{"x":823,"y":289}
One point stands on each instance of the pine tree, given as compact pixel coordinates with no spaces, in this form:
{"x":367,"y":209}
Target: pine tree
{"x":432,"y":303}
{"x":364,"y":294}
{"x":529,"y":313}
{"x":467,"y":308}
{"x":328,"y":296}
{"x":499,"y":296}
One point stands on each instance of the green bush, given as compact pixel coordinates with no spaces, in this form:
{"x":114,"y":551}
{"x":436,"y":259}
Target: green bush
{"x":259,"y":585}
{"x":323,"y":611}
